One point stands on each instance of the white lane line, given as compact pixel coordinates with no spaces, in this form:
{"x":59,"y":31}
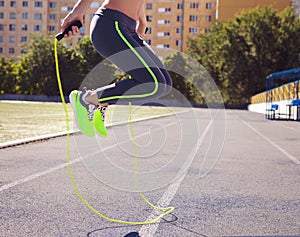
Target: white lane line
{"x":285,"y":126}
{"x":164,"y":201}
{"x":294,"y":159}
{"x":48,"y":171}
{"x":167,"y":197}
{"x":34,"y":176}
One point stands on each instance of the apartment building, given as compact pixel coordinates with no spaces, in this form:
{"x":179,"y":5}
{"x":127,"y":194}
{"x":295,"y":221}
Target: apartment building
{"x":228,"y":9}
{"x":171,"y":23}
{"x":19,"y":20}
{"x":296,"y":6}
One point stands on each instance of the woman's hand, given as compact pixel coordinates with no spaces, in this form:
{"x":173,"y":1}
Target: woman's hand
{"x":76,"y":14}
{"x":141,"y":29}
{"x":71,"y":17}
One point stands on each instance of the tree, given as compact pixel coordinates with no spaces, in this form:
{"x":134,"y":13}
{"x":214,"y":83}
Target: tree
{"x":72,"y":68}
{"x":240,"y":53}
{"x":36,"y":68}
{"x":183,"y":75}
{"x":89,"y":54}
{"x":8,"y":77}
{"x":98,"y":71}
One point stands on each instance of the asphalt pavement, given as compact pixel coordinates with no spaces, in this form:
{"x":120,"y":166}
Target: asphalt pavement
{"x":243,"y":182}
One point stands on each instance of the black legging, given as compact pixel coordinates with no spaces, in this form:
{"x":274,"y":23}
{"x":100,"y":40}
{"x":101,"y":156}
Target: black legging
{"x":114,"y":36}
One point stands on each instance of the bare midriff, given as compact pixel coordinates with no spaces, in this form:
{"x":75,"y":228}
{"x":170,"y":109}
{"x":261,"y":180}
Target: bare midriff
{"x":129,"y":7}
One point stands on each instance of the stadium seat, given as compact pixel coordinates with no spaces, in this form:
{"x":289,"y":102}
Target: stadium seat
{"x":295,"y":102}
{"x":273,"y":109}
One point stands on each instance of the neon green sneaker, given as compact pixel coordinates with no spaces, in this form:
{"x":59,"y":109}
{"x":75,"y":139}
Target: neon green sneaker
{"x":83,"y":111}
{"x":99,"y":118}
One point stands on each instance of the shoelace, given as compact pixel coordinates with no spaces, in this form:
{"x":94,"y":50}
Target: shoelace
{"x":91,"y":111}
{"x":102,"y":109}
{"x":91,"y":108}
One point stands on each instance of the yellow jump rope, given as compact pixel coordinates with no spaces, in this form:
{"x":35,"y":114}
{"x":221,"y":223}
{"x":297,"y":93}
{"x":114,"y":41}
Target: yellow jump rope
{"x":166,"y":210}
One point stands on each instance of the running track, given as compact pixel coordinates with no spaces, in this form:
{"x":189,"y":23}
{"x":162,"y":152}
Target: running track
{"x":253,"y":189}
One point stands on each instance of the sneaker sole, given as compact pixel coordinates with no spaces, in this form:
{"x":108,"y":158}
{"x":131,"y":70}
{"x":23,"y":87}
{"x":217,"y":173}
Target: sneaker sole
{"x":99,"y":124}
{"x":80,"y":113}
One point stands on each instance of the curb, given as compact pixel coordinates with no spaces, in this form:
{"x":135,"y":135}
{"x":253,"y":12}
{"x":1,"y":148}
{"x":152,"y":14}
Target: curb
{"x":34,"y":139}
{"x":61,"y":134}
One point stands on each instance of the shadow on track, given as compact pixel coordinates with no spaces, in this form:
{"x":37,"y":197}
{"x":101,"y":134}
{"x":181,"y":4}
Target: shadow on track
{"x":173,"y":222}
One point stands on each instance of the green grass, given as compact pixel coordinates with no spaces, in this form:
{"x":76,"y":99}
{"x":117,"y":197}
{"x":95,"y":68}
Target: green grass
{"x":19,"y":120}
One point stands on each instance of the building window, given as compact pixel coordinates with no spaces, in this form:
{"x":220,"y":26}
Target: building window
{"x":95,"y":5}
{"x":209,"y":5}
{"x":207,"y":30}
{"x":25,"y":16}
{"x":1,"y":3}
{"x":81,"y":30}
{"x":38,"y":4}
{"x":163,"y":34}
{"x":149,"y":6}
{"x":11,"y":39}
{"x":1,"y":15}
{"x":11,"y":51}
{"x":163,"y":22}
{"x":38,"y":16}
{"x":193,"y":18}
{"x":194,"y":5}
{"x":52,"y":5}
{"x":178,"y":43}
{"x":24,"y":39}
{"x":149,"y":18}
{"x":51,"y":28}
{"x":180,"y":6}
{"x":164,"y":9}
{"x":1,"y":27}
{"x":12,"y":15}
{"x":1,"y":38}
{"x":12,"y":27}
{"x":37,"y":28}
{"x":24,"y":27}
{"x":193,"y":30}
{"x":1,"y":50}
{"x":179,"y":30}
{"x":179,"y":18}
{"x":52,"y":16}
{"x":66,"y":9}
{"x":208,"y":18}
{"x":25,"y":4}
{"x":13,"y":3}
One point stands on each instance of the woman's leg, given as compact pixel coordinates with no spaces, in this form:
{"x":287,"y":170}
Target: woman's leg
{"x":116,"y":40}
{"x":148,"y":79}
{"x":157,"y":61}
